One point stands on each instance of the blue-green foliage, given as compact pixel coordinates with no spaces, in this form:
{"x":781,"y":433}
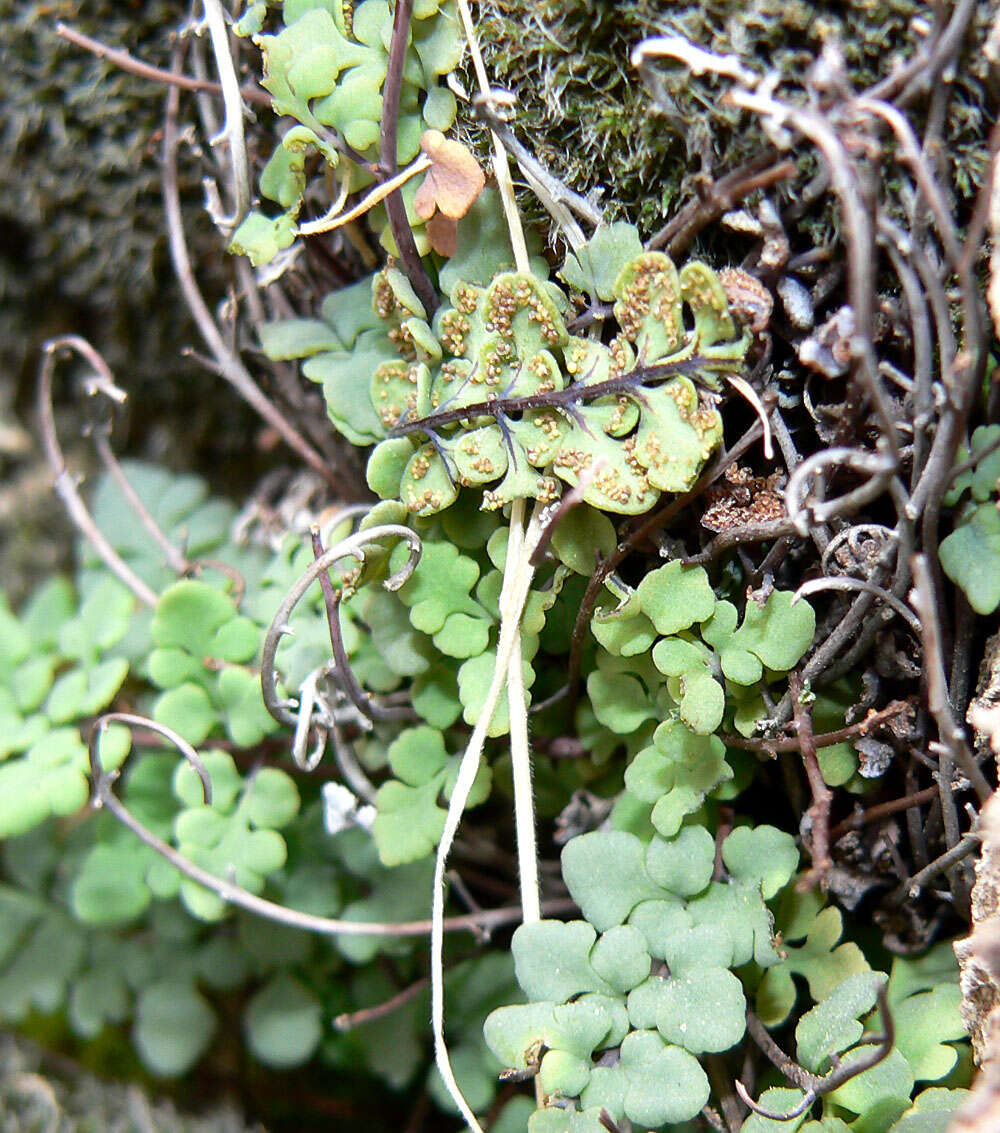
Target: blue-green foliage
{"x":100,"y":926}
{"x":674,"y":939}
{"x":676,"y":935}
{"x":649,"y":972}
{"x":672,"y":951}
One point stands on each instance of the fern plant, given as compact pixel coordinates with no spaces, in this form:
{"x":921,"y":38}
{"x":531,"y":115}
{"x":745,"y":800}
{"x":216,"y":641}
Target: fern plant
{"x":279,"y":742}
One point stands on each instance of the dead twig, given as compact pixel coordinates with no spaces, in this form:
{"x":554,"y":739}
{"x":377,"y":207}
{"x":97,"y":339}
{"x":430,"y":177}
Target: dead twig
{"x":230,"y":367}
{"x":762,"y":172}
{"x":952,"y":735}
{"x":416,"y":273}
{"x":65,"y":482}
{"x":822,"y":796}
{"x":351,"y":1019}
{"x":826,"y":739}
{"x":881,"y":810}
{"x":126,"y":62}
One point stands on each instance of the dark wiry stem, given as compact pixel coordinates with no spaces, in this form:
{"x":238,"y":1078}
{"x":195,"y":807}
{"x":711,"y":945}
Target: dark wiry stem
{"x":765,"y":529}
{"x":388,"y":160}
{"x":882,"y":810}
{"x":126,"y":62}
{"x":827,"y":739}
{"x":822,"y":796}
{"x":759,"y":173}
{"x":349,"y":1020}
{"x":364,"y":703}
{"x":563,"y":399}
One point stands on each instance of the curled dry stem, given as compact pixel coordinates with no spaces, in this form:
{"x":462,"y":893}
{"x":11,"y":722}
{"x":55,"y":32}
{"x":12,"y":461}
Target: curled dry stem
{"x":309,"y":699}
{"x":229,"y":365}
{"x":65,"y":482}
{"x":103,"y":797}
{"x":355,"y":546}
{"x":100,"y":432}
{"x":841,"y":582}
{"x":842,"y":1073}
{"x":367,"y":705}
{"x":803,"y":512}
{"x":872,"y":532}
{"x":100,"y":726}
{"x":232,"y":130}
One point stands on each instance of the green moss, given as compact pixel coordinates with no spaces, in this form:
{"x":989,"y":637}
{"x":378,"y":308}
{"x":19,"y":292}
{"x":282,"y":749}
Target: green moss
{"x":83,"y":250}
{"x":586,"y":114}
{"x":83,"y":246}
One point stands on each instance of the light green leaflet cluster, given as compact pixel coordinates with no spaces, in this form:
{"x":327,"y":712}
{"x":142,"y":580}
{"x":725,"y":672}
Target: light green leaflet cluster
{"x":126,"y":940}
{"x":100,"y":926}
{"x":325,"y":69}
{"x":970,"y":555}
{"x":624,"y":1004}
{"x":595,"y":984}
{"x":490,"y":400}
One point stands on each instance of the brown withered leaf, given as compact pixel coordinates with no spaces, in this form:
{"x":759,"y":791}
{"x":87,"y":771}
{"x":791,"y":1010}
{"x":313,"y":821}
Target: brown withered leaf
{"x":452,"y":183}
{"x":442,"y":231}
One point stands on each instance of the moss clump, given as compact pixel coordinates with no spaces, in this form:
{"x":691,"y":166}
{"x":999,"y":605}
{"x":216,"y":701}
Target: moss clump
{"x":83,"y":245}
{"x":83,"y":250}
{"x":586,"y":114}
